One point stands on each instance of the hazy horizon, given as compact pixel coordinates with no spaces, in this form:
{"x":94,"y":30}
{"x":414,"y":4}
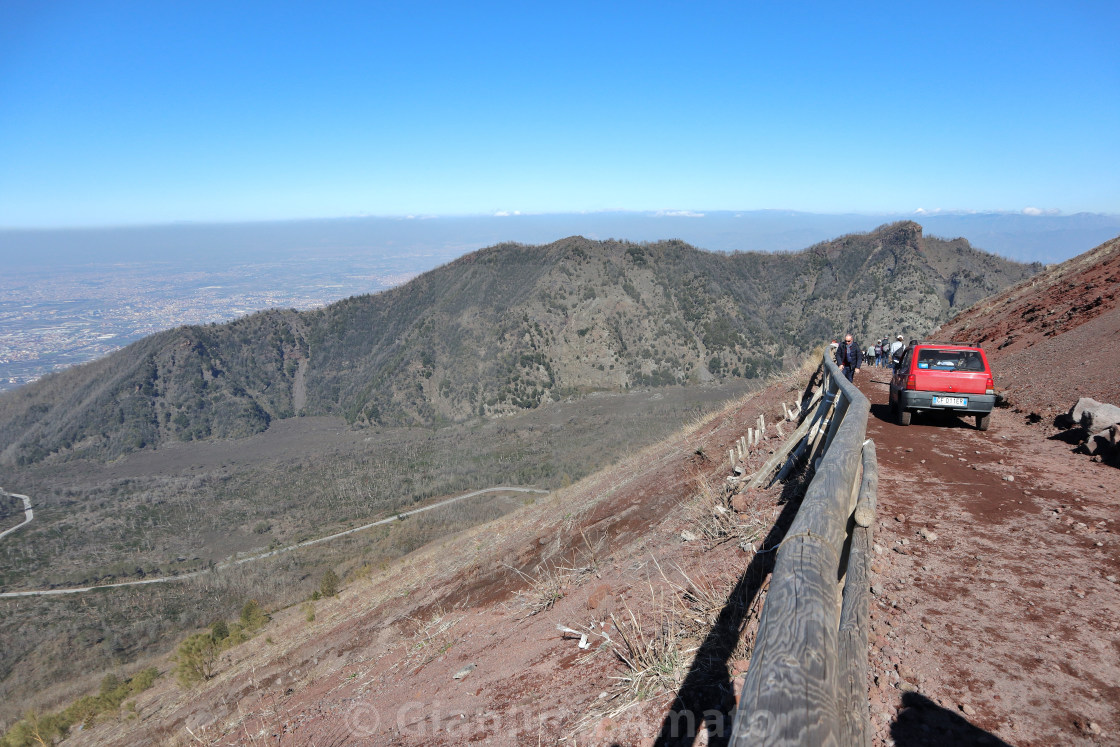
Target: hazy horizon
{"x":1024,"y":237}
{"x":72,"y":295}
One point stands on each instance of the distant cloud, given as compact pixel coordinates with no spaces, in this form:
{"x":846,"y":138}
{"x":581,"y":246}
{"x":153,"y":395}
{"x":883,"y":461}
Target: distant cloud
{"x":944,"y":212}
{"x":678,"y":214}
{"x":506,"y":213}
{"x":1040,"y":211}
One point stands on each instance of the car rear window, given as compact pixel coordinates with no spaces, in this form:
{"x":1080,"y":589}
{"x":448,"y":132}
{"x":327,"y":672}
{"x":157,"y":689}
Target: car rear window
{"x":950,"y":360}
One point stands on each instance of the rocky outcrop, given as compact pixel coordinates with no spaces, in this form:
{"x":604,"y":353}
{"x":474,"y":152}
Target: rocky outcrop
{"x":1095,"y":426}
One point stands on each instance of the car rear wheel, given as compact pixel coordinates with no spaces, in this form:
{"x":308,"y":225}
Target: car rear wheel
{"x":903,"y":414}
{"x":983,"y":421}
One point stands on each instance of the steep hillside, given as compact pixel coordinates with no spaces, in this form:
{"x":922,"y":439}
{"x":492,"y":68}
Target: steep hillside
{"x":458,"y":642}
{"x":500,"y":330}
{"x":185,"y":384}
{"x":997,"y":575}
{"x":622,"y":609}
{"x":1055,"y":337}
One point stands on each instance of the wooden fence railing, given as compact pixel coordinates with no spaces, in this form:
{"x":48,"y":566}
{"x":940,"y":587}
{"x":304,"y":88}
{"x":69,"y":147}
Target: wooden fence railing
{"x":807,"y":679}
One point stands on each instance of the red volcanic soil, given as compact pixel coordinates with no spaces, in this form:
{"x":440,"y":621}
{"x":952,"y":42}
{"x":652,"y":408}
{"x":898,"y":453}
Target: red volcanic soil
{"x":1055,"y":337}
{"x":996,"y":609}
{"x":997,"y":601}
{"x":995,"y":612}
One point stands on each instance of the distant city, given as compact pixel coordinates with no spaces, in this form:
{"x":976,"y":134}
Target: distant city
{"x":54,"y":318}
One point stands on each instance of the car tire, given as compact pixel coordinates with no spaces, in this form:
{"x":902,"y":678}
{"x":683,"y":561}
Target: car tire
{"x":903,"y":415}
{"x":983,"y":421}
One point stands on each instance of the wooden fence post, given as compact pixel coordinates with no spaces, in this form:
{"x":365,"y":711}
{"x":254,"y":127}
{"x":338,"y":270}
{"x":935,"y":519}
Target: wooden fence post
{"x":855,"y":717}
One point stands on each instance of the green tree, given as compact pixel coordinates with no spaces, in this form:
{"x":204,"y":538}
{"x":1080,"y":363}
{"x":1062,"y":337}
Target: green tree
{"x":109,"y":683}
{"x":219,"y":630}
{"x":252,"y":616}
{"x":196,"y":658}
{"x":328,"y":585}
{"x":35,"y":729}
{"x":84,"y":711}
{"x":143,"y":679}
{"x":20,"y":735}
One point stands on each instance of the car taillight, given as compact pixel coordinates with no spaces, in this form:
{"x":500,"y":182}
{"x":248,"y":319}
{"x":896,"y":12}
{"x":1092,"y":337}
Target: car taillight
{"x":910,"y":382}
{"x":990,"y":386}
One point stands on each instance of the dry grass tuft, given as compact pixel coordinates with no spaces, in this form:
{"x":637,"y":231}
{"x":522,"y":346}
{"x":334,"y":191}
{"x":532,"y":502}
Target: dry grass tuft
{"x":704,"y":599}
{"x":547,"y":586}
{"x":588,"y":560}
{"x":711,"y":518}
{"x":655,"y":656}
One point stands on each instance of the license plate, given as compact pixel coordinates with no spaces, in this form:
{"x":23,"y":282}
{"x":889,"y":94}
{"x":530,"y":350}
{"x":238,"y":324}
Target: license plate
{"x":951,"y":401}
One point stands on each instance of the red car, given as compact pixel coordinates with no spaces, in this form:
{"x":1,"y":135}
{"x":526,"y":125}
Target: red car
{"x":943,"y":376}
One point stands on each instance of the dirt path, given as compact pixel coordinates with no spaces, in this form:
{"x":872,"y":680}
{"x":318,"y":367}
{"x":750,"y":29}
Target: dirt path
{"x":996,"y":613}
{"x":28,"y":514}
{"x":258,"y":556}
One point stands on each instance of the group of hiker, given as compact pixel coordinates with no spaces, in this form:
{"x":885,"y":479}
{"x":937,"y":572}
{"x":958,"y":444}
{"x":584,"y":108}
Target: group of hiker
{"x":850,"y":357}
{"x":887,"y":352}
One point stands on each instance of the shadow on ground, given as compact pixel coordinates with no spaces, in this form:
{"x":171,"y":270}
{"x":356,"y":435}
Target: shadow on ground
{"x":922,"y":722}
{"x":884,"y":413}
{"x":705,"y":701}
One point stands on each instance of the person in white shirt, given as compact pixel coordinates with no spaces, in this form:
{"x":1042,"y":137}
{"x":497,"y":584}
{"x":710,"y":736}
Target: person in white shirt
{"x":896,"y":351}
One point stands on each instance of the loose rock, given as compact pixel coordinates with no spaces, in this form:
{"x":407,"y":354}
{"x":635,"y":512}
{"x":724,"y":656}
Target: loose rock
{"x":1094,"y":416}
{"x":742,"y":501}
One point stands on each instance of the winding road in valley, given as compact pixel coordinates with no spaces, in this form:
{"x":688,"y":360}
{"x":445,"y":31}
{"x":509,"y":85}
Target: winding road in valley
{"x":260,"y":556}
{"x":26,"y":510}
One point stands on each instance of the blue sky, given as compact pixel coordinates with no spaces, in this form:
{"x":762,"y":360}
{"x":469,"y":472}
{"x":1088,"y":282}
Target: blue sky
{"x":149,"y":112}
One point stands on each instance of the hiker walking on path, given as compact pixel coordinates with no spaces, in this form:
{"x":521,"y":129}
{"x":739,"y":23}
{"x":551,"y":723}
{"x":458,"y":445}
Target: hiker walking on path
{"x":896,"y":351}
{"x":849,"y":357}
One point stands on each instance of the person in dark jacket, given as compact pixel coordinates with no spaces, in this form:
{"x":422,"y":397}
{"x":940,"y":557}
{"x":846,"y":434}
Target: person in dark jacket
{"x":849,"y":358}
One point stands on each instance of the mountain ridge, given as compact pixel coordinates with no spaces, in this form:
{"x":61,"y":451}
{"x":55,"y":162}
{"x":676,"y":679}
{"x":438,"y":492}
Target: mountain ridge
{"x":502,"y":329}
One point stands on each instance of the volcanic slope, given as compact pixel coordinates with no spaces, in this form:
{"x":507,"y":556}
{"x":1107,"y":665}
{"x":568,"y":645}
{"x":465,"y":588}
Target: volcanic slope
{"x":1054,"y":337}
{"x":985,"y":622}
{"x":502,"y":329}
{"x":462,"y":641}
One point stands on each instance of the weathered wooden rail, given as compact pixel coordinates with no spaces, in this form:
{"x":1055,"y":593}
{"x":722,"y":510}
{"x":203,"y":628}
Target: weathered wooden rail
{"x":807,"y":679}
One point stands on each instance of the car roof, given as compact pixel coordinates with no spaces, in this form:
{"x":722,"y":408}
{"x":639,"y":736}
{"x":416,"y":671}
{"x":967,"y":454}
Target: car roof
{"x":947,"y":345}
